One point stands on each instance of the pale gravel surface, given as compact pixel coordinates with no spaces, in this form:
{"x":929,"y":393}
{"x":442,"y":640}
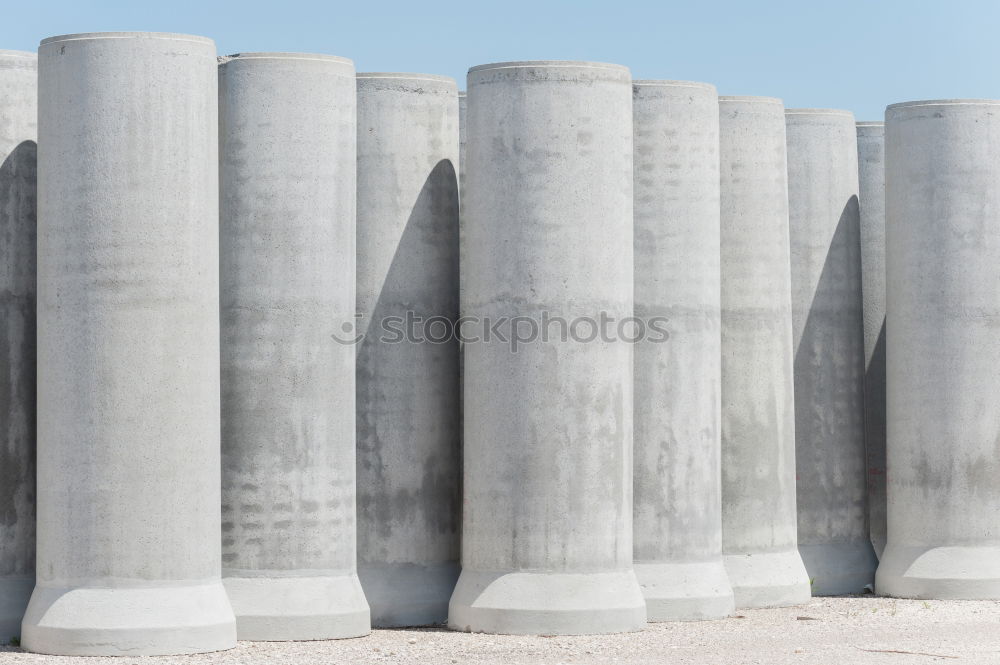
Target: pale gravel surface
{"x":826,"y":631}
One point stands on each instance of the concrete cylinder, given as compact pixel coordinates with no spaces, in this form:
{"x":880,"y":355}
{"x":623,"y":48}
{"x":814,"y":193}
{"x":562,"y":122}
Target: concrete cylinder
{"x":871,"y":198}
{"x":547,"y":524}
{"x":408,"y":410}
{"x":758,"y":420}
{"x":942,"y":350}
{"x":18,"y":132}
{"x":461,"y":137}
{"x":824,"y":233}
{"x":677,"y":530}
{"x":288,"y":163}
{"x":128,"y":349}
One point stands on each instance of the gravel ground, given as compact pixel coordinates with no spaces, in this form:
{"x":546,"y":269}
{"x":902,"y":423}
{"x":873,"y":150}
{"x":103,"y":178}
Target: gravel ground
{"x":827,"y":631}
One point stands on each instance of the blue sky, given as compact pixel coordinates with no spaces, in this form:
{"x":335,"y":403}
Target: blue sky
{"x":823,"y":53}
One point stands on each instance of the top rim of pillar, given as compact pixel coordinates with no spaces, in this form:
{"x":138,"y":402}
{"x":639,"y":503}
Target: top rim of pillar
{"x":95,"y":36}
{"x":870,"y":123}
{"x":27,"y":55}
{"x":407,"y":76}
{"x":672,"y":83}
{"x":812,"y":111}
{"x":284,"y":55}
{"x":550,"y":64}
{"x":943,"y":102}
{"x":750,"y":99}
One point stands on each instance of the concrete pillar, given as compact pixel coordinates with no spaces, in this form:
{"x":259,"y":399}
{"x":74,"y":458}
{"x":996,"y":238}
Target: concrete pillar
{"x":758,"y":420}
{"x":824,"y":232}
{"x":871,"y":172}
{"x":943,"y":401}
{"x":461,"y":137}
{"x":677,"y":529}
{"x":547,"y":524}
{"x":18,"y":131}
{"x":288,"y":163}
{"x":128,"y":349}
{"x":409,"y":420}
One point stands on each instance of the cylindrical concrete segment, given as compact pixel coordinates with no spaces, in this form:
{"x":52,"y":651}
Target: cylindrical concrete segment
{"x":18,"y":116}
{"x":547,"y":524}
{"x":461,"y":136}
{"x":677,"y":528}
{"x":288,"y":163}
{"x":128,"y":349}
{"x":824,"y":232}
{"x":409,"y":420}
{"x":758,"y":420}
{"x":871,"y":197}
{"x":942,"y":350}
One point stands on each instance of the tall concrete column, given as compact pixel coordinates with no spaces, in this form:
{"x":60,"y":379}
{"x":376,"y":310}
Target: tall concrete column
{"x":409,"y":419}
{"x":677,"y":500}
{"x":18,"y":132}
{"x":461,"y":136}
{"x":824,"y":232}
{"x":128,"y":349}
{"x":758,"y":416}
{"x":943,"y":312}
{"x":547,"y":524}
{"x":871,"y":174}
{"x":288,"y":164}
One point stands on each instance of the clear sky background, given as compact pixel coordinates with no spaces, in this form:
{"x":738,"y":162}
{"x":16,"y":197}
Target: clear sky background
{"x":847,"y":54}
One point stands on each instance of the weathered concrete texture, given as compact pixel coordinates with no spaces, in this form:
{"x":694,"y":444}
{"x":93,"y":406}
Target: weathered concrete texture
{"x":677,"y":512}
{"x":288,"y":137}
{"x":824,"y":232}
{"x":871,"y":174}
{"x":128,"y":349}
{"x":943,"y":290}
{"x":461,"y":137}
{"x":758,"y":421}
{"x":409,"y":418}
{"x":547,"y":528}
{"x":461,"y":188}
{"x":18,"y":132}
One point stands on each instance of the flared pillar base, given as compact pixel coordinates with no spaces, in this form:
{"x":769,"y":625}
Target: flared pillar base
{"x":536,"y":603}
{"x":691,"y":591}
{"x":768,"y":579}
{"x":966,"y":572}
{"x":287,"y":608}
{"x":129,"y":621}
{"x":407,"y":594}
{"x":837,"y":569}
{"x":14,"y":595}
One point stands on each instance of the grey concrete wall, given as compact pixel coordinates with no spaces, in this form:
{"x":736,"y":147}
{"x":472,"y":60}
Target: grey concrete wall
{"x":942,"y":350}
{"x":758,"y":421}
{"x":871,"y":175}
{"x":677,"y":528}
{"x":128,"y":349}
{"x":824,"y":232}
{"x":547,"y":546}
{"x":288,"y":152}
{"x":409,"y":419}
{"x":18,"y":133}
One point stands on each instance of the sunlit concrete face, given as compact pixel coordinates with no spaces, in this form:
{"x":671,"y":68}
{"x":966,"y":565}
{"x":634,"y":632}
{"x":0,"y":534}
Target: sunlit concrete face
{"x":547,"y":210}
{"x":128,"y":349}
{"x":408,"y":402}
{"x":943,"y":390}
{"x":677,"y":528}
{"x":288,"y":137}
{"x":871,"y":176}
{"x":18,"y":149}
{"x":758,"y":422}
{"x":824,"y":231}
